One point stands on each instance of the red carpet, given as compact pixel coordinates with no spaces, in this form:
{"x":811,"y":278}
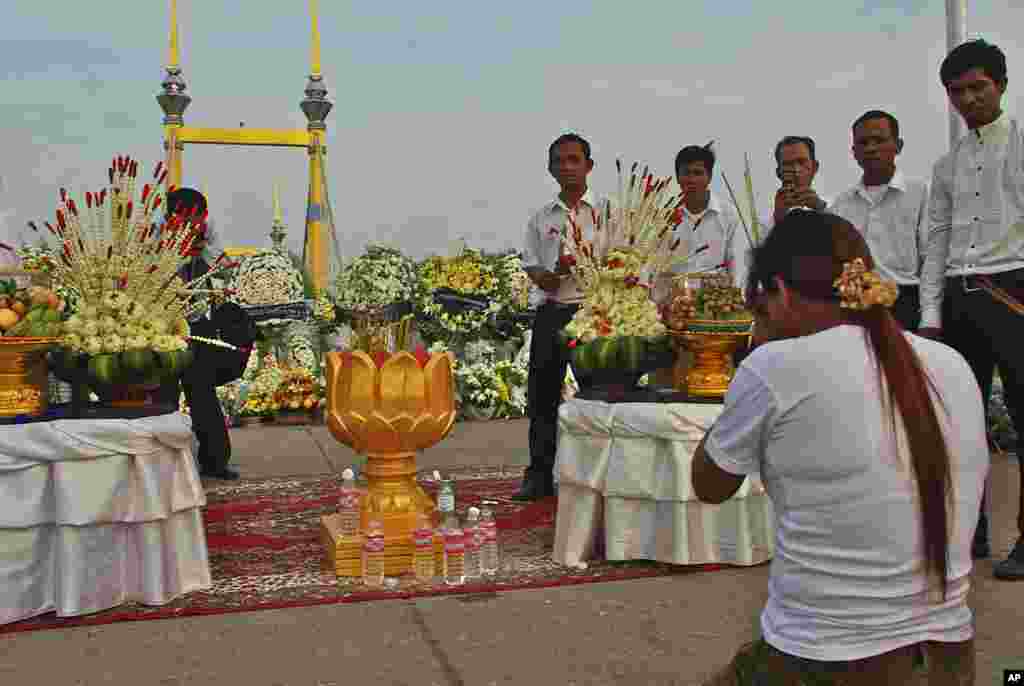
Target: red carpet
{"x":265,"y":552}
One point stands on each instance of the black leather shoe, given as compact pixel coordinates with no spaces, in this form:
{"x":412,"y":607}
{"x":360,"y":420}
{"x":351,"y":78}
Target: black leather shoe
{"x":533,"y":488}
{"x":226,"y":474}
{"x":1012,"y":568}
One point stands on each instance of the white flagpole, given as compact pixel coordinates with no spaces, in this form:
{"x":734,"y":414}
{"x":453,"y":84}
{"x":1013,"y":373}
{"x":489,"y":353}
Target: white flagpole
{"x":956,"y":33}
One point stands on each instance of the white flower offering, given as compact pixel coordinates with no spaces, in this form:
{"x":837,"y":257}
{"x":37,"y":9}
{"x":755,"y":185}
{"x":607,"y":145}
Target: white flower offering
{"x":124,"y":267}
{"x":633,"y":241}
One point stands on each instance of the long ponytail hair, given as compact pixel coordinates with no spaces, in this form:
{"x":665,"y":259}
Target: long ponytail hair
{"x":807,"y":250}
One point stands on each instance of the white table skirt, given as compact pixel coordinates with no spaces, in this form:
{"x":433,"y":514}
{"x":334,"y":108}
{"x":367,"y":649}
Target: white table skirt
{"x":625,"y":469}
{"x":96,"y":513}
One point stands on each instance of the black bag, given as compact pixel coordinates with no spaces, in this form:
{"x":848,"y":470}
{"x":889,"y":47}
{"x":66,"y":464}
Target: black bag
{"x":231,"y":324}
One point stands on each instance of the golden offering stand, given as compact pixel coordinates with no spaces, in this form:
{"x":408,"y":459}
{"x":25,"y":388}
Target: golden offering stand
{"x":712,"y":347}
{"x":387,"y":413}
{"x":704,"y":366}
{"x":23,"y":375}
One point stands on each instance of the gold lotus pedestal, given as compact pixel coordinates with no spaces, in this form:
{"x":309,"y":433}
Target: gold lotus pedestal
{"x":712,"y":344}
{"x":387,"y":412}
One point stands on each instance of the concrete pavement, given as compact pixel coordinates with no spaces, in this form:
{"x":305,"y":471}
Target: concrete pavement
{"x":672,"y":630}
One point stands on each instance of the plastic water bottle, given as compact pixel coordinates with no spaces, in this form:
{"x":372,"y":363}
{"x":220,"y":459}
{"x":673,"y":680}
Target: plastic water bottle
{"x":445,"y":497}
{"x":490,"y":560}
{"x":471,"y":533}
{"x":423,"y":556}
{"x":373,"y":554}
{"x":348,"y":503}
{"x":454,"y":552}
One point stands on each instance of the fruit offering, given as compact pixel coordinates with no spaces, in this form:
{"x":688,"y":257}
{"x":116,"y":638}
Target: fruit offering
{"x":715,"y":299}
{"x":29,"y":312}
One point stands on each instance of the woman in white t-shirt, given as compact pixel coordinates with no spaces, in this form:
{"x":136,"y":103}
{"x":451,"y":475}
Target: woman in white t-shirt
{"x":850,"y":422}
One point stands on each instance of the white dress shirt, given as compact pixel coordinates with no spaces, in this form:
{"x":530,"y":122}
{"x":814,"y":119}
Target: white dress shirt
{"x":895,"y":225}
{"x":976,"y":211}
{"x":719,"y":228}
{"x":543,"y":242}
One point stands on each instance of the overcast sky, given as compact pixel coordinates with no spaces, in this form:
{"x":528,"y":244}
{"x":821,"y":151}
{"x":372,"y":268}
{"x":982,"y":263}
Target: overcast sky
{"x":443,"y":111}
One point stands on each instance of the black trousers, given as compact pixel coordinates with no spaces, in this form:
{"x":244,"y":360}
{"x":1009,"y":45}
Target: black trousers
{"x":199,"y":384}
{"x":988,"y":334}
{"x":548,"y":363}
{"x":907,"y":309}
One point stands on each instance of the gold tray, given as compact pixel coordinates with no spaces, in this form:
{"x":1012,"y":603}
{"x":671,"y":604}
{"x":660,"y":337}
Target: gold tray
{"x":715,"y":326}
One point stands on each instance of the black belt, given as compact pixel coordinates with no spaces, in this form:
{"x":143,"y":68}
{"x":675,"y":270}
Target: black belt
{"x":560,"y":306}
{"x":971,"y":282}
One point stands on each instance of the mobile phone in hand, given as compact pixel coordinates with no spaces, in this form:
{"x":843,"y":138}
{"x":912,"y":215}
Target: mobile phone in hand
{"x":789,"y":181}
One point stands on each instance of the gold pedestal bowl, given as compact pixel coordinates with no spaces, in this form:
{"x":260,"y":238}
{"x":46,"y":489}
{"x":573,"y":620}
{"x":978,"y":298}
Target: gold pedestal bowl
{"x":712,"y":343}
{"x":389,"y":413}
{"x":23,"y":375}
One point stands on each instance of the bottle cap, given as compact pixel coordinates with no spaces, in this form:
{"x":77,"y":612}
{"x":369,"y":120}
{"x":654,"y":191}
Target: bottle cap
{"x":474,"y":513}
{"x":348,"y":474}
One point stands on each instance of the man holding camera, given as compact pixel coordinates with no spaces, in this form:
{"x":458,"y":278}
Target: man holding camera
{"x":795,"y":166}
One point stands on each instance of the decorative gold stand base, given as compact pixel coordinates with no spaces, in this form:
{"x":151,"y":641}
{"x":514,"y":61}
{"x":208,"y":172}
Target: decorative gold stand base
{"x":345,"y":553}
{"x":396,"y":500}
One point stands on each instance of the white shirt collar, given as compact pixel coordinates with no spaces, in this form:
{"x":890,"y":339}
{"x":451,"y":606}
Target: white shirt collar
{"x":1001,"y":124}
{"x":714,"y":205}
{"x":897,"y":182}
{"x":587,"y":199}
{"x":994,"y":133}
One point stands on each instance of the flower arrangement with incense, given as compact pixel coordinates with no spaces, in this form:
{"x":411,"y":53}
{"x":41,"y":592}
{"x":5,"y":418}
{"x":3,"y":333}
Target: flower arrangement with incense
{"x":633,"y":241}
{"x":618,"y":326}
{"x":124,"y":268}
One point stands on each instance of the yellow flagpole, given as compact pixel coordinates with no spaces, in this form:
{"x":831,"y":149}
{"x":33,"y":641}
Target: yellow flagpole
{"x":171,"y":130}
{"x":172,"y":48}
{"x":315,"y":47}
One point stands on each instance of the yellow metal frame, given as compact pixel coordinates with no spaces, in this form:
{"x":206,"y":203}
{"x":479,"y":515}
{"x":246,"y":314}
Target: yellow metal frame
{"x":278,"y":138}
{"x":177,"y":135}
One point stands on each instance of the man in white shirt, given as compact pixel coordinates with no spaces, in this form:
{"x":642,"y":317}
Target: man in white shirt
{"x":705,"y":219}
{"x":890,"y":210}
{"x":974,"y":263}
{"x":570,"y":163}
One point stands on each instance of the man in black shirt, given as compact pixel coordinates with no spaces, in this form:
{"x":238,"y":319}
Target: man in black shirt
{"x":211,"y":366}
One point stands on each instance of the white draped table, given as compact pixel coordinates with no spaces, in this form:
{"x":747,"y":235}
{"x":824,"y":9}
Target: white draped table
{"x":625,"y":469}
{"x":96,"y":513}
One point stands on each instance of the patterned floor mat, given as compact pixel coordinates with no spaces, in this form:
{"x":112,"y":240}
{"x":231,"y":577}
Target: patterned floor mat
{"x":265,"y":551}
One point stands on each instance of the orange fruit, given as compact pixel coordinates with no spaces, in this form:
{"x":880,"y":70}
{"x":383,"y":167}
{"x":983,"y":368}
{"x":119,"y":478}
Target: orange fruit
{"x":19,"y":307}
{"x":8,"y":318}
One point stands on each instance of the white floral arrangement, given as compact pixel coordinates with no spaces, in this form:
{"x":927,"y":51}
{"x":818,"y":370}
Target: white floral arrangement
{"x":266,"y":380}
{"x":487,"y":387}
{"x":124,"y":271}
{"x":300,"y":347}
{"x":266,"y":278}
{"x":633,"y":241}
{"x":380,"y":277}
{"x":521,"y":285}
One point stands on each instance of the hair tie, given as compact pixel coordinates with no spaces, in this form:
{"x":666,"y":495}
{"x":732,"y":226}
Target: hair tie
{"x":861,"y":288}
